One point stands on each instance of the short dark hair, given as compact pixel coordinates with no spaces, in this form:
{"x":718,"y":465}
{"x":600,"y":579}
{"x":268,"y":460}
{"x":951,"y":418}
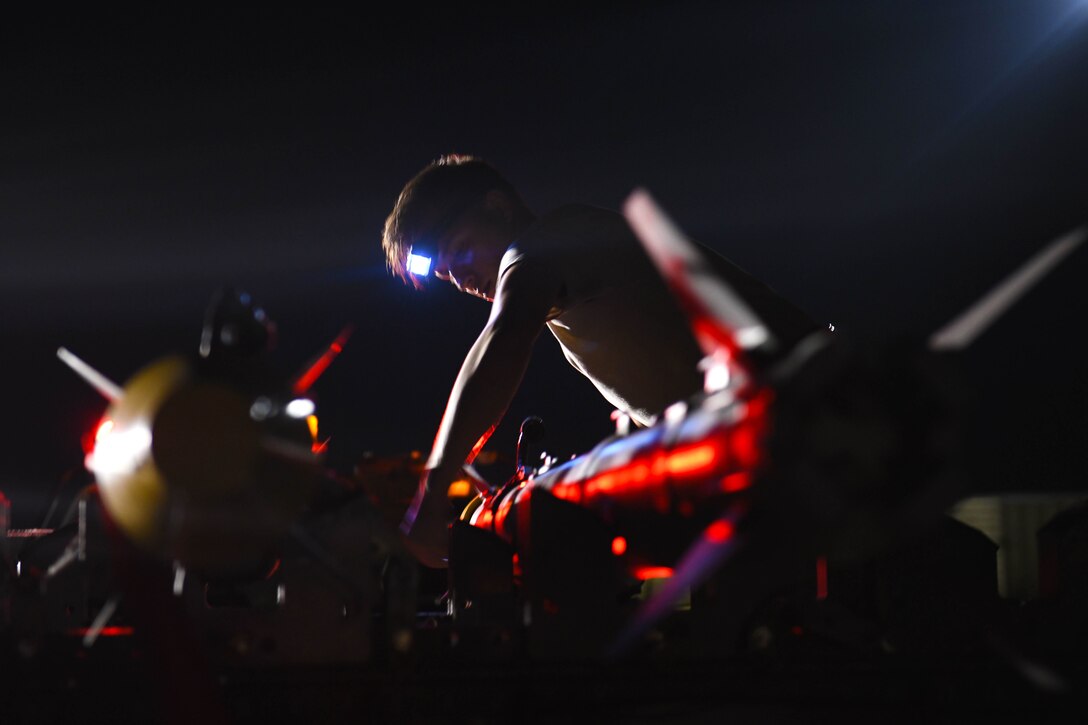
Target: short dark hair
{"x":436,"y":197}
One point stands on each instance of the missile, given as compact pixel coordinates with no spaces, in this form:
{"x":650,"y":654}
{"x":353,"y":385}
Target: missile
{"x":831,"y":451}
{"x":207,"y":460}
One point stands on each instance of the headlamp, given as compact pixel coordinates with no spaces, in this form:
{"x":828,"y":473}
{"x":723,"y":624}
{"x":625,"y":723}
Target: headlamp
{"x":419,"y":264}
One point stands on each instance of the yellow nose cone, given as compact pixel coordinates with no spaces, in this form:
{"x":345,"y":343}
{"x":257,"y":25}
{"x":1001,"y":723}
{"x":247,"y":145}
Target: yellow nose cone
{"x":185,"y":471}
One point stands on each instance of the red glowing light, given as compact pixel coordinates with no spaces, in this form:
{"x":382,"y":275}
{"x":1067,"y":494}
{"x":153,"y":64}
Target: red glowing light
{"x":485,"y":519}
{"x":736,"y":482}
{"x":114,"y":631}
{"x":479,"y":445}
{"x":725,"y":459}
{"x":501,"y":514}
{"x":318,"y":366}
{"x":625,"y":478}
{"x":567,"y":491}
{"x":653,"y":572}
{"x":719,"y":532}
{"x":692,"y":460}
{"x":745,"y":446}
{"x":705,"y":329}
{"x":821,"y":578}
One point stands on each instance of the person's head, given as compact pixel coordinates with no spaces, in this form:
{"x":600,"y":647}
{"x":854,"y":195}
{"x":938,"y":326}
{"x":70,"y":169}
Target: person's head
{"x":464,"y":214}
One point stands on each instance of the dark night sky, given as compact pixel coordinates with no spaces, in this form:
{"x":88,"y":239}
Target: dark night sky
{"x":881,"y":164}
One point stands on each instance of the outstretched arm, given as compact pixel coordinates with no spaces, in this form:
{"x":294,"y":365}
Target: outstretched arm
{"x":486,"y":384}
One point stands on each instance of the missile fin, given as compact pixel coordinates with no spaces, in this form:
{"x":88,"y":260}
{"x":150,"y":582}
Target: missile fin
{"x":110,"y":390}
{"x":972,"y":322}
{"x":719,"y":317}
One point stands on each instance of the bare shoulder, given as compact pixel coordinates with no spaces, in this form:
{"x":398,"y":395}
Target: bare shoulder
{"x":529,"y":288}
{"x":571,"y":254}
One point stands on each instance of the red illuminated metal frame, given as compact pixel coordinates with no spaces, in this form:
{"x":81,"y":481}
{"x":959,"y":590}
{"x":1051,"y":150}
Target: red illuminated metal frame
{"x":643,"y":573}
